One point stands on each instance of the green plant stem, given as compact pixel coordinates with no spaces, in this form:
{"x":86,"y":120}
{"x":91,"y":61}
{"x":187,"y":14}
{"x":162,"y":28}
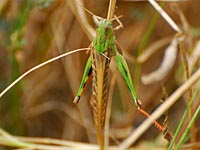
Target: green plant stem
{"x":184,"y":117}
{"x":142,"y":45}
{"x":181,"y":141}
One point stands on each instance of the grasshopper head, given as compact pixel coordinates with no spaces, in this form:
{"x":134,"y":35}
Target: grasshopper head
{"x":104,"y":27}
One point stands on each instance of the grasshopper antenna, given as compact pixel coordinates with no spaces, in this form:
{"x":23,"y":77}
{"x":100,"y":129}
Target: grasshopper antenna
{"x":90,"y":12}
{"x":95,"y":17}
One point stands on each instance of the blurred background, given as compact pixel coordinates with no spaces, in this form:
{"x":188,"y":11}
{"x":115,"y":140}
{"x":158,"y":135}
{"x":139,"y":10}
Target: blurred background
{"x":41,"y":105}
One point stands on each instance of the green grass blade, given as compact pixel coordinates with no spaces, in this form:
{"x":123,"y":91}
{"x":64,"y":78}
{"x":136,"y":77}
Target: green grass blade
{"x":182,"y":140}
{"x":143,"y":43}
{"x":184,"y":117}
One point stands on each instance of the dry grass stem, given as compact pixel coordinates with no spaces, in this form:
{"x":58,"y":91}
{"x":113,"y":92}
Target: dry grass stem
{"x":193,"y":59}
{"x":109,"y":109}
{"x":165,"y":16}
{"x":79,"y":12}
{"x":39,"y":66}
{"x":111,"y":9}
{"x":187,"y":75}
{"x":157,"y":0}
{"x":51,"y":144}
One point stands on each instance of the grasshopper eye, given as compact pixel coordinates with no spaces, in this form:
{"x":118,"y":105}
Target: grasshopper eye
{"x":107,"y":27}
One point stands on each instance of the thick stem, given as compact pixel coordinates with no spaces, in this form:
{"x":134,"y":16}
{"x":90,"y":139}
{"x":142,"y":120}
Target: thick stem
{"x":111,"y":9}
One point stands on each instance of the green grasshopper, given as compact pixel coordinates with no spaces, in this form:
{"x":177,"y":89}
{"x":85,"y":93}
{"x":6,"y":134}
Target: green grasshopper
{"x":103,"y":47}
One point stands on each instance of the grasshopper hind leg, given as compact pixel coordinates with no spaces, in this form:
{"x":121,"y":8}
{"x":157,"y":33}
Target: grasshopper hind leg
{"x":85,"y":80}
{"x":123,"y":69}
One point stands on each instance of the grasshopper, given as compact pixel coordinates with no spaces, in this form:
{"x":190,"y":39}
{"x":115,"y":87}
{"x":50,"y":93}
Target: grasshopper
{"x":103,"y":47}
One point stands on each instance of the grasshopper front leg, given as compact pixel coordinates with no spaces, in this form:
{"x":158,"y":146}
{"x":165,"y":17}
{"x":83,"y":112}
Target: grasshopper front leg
{"x":85,"y":79}
{"x":123,"y":69}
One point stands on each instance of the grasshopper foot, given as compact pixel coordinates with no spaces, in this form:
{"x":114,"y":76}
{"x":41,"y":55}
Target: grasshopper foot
{"x":76,"y":99}
{"x":138,"y":104}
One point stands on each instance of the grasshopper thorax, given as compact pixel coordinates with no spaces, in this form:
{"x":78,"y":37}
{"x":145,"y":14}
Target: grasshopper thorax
{"x":105,"y":39}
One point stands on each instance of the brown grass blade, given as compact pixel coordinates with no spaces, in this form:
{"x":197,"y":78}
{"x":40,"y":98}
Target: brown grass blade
{"x":100,"y":66}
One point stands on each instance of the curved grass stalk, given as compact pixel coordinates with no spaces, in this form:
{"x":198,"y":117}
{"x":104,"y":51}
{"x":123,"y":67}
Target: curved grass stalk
{"x":39,"y":66}
{"x":13,"y":140}
{"x":77,"y":7}
{"x":167,"y":64}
